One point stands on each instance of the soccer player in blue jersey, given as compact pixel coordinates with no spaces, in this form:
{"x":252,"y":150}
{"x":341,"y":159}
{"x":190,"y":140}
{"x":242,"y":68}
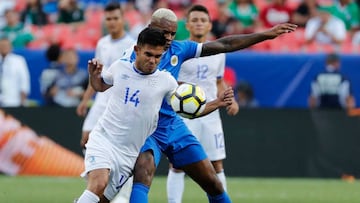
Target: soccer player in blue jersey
{"x":172,"y":137}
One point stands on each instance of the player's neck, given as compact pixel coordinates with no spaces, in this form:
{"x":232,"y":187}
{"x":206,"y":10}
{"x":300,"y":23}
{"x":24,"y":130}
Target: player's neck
{"x":117,"y":35}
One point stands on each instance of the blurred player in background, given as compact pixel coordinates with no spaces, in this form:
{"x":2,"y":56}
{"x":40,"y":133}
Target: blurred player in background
{"x":109,"y":48}
{"x":172,"y":137}
{"x":208,"y":73}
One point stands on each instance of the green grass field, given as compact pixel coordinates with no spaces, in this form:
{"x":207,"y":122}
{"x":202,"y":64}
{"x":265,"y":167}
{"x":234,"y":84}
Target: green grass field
{"x":247,"y":190}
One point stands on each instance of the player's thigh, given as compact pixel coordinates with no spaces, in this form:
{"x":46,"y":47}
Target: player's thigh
{"x":119,"y":174}
{"x":185,"y":152}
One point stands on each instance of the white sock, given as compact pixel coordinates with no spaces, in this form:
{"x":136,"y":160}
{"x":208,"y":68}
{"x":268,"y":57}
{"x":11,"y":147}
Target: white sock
{"x":175,"y":186}
{"x":222,"y":178}
{"x":88,"y":197}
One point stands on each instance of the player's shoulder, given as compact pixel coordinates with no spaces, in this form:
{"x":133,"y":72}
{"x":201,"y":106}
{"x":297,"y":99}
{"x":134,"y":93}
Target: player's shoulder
{"x":129,"y":38}
{"x":104,"y":39}
{"x":182,"y":43}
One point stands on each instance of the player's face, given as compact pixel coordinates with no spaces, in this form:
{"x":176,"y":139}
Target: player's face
{"x":148,"y":57}
{"x":114,"y":21}
{"x":168,"y":27}
{"x":198,"y":24}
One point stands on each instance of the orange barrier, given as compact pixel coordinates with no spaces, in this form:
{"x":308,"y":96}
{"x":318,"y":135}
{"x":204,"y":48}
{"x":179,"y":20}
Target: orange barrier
{"x":23,"y":152}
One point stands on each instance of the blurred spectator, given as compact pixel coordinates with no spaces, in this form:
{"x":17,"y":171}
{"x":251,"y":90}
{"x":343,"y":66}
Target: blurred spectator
{"x":275,"y":13}
{"x":33,"y":13}
{"x":225,"y":24}
{"x":246,"y":12}
{"x":348,"y":12}
{"x":330,"y":89}
{"x":70,"y":12}
{"x":49,"y":74}
{"x":70,"y":83}
{"x":305,"y":10}
{"x":14,"y":76}
{"x":15,"y":30}
{"x":5,"y":5}
{"x":325,"y":28}
{"x":244,"y":95}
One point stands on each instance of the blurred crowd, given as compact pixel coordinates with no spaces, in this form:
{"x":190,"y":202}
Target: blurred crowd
{"x":65,"y":26}
{"x":325,"y":25}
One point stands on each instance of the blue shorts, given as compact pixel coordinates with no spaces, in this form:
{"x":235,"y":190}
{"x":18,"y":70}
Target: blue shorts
{"x":175,"y":140}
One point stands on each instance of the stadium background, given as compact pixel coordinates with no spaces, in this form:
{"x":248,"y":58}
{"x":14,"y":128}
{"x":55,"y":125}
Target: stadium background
{"x":281,"y":139}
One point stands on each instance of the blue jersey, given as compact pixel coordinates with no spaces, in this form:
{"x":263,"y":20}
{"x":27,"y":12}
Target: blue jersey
{"x":171,"y":61}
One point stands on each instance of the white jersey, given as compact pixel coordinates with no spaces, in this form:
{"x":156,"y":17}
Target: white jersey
{"x":134,"y":103}
{"x":205,"y":71}
{"x":107,"y":51}
{"x":131,"y":115}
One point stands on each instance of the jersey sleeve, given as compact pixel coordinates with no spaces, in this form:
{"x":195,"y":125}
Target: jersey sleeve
{"x":221,"y":70}
{"x":172,"y":87}
{"x":129,"y":55}
{"x":190,"y":49}
{"x":108,"y":73}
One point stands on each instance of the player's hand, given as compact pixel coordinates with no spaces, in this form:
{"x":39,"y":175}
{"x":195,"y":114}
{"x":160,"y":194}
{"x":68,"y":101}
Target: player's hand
{"x":227,"y":97}
{"x":232,"y":109}
{"x":280,"y":29}
{"x":84,"y":139}
{"x":81,"y":109}
{"x":94,"y":67}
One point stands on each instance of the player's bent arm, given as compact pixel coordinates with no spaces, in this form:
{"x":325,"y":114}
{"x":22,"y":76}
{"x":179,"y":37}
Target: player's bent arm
{"x":223,"y":100}
{"x":242,"y":41}
{"x":98,"y":83}
{"x":95,"y":79}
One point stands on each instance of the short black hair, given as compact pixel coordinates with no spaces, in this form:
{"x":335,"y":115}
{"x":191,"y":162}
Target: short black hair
{"x":53,"y":52}
{"x":151,"y":36}
{"x":332,"y":57}
{"x":246,"y":88}
{"x":112,"y":6}
{"x":200,"y":8}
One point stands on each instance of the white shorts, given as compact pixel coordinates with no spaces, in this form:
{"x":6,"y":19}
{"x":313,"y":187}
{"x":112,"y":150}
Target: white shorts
{"x":96,"y":110}
{"x":208,"y":130}
{"x":101,"y":153}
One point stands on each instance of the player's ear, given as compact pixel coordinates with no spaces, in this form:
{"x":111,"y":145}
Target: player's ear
{"x":136,"y":49}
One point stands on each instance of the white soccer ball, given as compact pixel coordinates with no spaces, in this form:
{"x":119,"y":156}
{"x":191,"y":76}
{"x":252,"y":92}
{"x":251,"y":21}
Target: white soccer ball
{"x":188,"y":101}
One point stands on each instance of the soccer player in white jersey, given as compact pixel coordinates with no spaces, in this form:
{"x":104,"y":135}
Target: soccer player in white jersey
{"x":108,"y":49}
{"x":131,"y":115}
{"x":207,"y":72}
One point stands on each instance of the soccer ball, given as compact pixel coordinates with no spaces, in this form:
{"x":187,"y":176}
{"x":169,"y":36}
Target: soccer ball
{"x":188,"y":100}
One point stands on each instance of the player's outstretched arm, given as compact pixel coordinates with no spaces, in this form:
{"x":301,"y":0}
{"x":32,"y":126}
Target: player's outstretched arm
{"x":95,"y":79}
{"x":223,"y":100}
{"x":237,"y":42}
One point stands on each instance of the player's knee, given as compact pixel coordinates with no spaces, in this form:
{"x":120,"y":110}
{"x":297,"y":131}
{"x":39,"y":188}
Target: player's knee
{"x":218,"y":166}
{"x":98,"y":187}
{"x":144,"y":169}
